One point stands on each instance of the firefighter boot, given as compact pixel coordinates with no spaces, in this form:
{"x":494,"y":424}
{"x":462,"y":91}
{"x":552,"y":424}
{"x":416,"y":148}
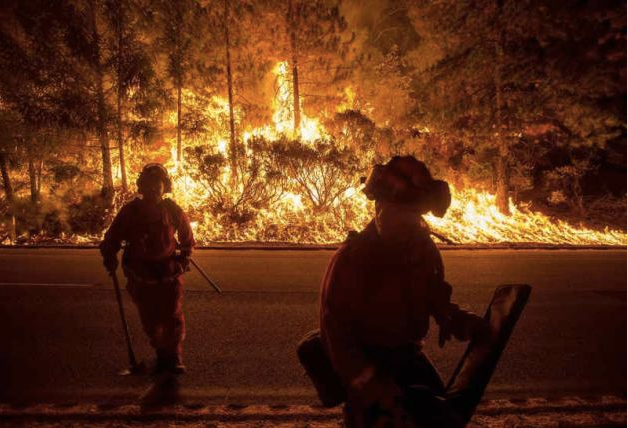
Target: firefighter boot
{"x":177,"y":366}
{"x":163,"y":362}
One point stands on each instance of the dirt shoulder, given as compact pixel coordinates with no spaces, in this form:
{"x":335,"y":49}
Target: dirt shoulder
{"x":607,"y":411}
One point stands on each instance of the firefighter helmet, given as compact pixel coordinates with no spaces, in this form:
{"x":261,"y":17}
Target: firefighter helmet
{"x":406,"y":180}
{"x":156,"y":170}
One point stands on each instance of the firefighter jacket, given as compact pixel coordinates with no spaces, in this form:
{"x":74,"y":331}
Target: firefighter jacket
{"x":379,"y":295}
{"x":149,"y":233}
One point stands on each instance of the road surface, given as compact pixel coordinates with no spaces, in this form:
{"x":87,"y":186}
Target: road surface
{"x":62,"y":340}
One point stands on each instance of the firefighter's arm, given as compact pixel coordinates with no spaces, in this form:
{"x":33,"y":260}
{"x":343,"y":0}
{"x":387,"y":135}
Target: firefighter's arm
{"x":112,"y":241}
{"x":451,"y":319}
{"x":184,"y":233}
{"x":185,"y":237}
{"x":438,"y":290}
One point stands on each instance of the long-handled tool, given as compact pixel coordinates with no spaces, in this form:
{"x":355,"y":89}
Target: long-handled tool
{"x":134,"y":366}
{"x":207,"y":278}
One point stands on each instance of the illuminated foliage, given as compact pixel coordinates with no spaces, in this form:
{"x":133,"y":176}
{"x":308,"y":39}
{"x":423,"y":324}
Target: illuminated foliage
{"x":266,"y":113}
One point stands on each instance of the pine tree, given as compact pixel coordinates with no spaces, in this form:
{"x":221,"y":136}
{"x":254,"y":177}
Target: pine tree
{"x":519,"y":72}
{"x":181,"y":26}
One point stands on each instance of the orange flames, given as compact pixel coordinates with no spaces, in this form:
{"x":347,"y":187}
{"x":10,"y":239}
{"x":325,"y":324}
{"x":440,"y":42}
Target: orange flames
{"x":472,"y":218}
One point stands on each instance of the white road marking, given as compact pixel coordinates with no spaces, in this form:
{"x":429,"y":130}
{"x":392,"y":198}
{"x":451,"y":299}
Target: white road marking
{"x":44,"y":284}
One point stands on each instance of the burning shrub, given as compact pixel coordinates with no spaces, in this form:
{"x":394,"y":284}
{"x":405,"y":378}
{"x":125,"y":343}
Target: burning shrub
{"x":568,"y":181}
{"x":236,"y":197}
{"x":322,"y":173}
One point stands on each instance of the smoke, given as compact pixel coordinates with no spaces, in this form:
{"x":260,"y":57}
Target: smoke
{"x":383,"y":25}
{"x":363,"y":14}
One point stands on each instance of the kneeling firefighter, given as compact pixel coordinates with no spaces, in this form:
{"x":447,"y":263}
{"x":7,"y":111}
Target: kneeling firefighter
{"x":153,"y":269}
{"x":378,"y":293}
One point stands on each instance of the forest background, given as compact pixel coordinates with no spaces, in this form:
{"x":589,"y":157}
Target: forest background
{"x":267,"y":112}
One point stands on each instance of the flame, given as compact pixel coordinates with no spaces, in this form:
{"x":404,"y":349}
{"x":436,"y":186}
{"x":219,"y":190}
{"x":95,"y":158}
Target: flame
{"x":472,"y":218}
{"x":310,"y":129}
{"x":349,"y":100}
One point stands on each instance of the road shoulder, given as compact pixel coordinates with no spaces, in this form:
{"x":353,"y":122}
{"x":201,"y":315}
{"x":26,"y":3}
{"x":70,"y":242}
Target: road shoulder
{"x":603,"y":411}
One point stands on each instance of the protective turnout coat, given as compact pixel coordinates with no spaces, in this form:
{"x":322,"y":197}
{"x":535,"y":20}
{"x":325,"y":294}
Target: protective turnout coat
{"x":149,"y":233}
{"x":152,"y":272}
{"x":377,"y":296}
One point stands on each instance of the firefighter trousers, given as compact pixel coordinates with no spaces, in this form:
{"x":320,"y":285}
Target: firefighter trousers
{"x":160,"y":307}
{"x":407,"y":366}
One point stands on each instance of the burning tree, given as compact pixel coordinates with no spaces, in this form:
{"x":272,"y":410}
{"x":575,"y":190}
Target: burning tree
{"x":267,"y":132}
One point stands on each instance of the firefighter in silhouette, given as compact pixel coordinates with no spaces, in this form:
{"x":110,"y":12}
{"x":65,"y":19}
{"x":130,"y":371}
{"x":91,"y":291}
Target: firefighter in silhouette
{"x":153,"y":269}
{"x":378,"y":293}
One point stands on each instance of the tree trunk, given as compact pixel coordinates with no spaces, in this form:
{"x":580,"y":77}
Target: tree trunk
{"x":502,"y":139}
{"x":119,"y":109}
{"x":40,"y":167}
{"x":233,"y":149}
{"x":502,"y":184}
{"x":6,"y":178}
{"x":121,"y":150}
{"x":179,"y":148}
{"x":32,"y":175}
{"x":107,"y":173}
{"x":296,"y":97}
{"x":101,"y":131}
{"x":296,"y":105}
{"x":578,"y":197}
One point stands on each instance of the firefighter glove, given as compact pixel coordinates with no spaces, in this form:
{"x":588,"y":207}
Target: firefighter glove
{"x":183,"y":263}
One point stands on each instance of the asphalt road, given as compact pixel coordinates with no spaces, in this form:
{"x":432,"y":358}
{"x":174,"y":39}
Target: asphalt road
{"x":62,"y":340}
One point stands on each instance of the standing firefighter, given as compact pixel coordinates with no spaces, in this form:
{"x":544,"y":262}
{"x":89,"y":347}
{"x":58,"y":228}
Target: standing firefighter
{"x":379,"y":291}
{"x":147,"y":225}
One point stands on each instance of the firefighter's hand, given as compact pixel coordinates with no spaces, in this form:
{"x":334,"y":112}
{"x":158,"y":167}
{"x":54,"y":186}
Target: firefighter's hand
{"x":111,"y":263}
{"x":462,"y":325}
{"x":468,"y":325}
{"x":183,"y":263}
{"x":479,"y":328}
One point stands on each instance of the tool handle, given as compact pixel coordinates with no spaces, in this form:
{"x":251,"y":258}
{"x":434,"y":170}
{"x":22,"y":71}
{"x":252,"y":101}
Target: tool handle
{"x":442,"y":238}
{"x":207,"y":278}
{"x":127,"y":335}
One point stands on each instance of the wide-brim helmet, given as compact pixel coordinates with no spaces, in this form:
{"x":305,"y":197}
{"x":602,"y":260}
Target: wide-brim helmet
{"x":406,"y":180}
{"x":151,"y":171}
